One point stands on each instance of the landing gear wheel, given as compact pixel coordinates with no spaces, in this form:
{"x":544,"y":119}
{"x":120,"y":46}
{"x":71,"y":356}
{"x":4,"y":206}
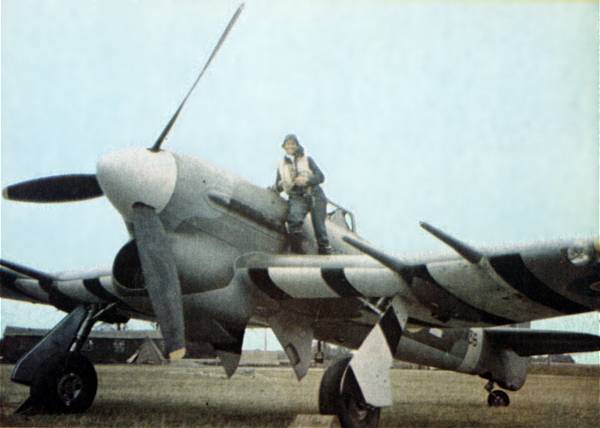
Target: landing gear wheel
{"x":340,"y":394}
{"x":498,"y":398}
{"x":67,"y":383}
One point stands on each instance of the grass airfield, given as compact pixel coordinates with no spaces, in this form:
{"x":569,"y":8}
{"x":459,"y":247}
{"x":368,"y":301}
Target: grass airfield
{"x":184,"y":396}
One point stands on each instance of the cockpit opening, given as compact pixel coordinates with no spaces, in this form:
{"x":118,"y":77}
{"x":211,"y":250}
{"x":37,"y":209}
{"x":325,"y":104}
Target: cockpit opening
{"x":341,"y":216}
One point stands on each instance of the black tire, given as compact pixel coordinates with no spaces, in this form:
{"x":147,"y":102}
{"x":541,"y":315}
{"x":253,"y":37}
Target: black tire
{"x":67,"y":383}
{"x":340,"y":394}
{"x":498,"y":398}
{"x":330,"y":389}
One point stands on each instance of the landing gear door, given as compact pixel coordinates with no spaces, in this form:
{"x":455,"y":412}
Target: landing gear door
{"x":341,"y":216}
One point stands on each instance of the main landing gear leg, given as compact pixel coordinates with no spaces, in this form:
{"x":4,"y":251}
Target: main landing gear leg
{"x":61,"y":380}
{"x":356,"y":388}
{"x":496,"y":397}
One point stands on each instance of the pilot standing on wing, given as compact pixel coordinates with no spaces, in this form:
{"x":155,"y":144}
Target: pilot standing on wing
{"x":299,"y":176}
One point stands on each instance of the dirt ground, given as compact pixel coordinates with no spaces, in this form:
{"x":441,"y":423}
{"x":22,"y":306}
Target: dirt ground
{"x":193,"y":396}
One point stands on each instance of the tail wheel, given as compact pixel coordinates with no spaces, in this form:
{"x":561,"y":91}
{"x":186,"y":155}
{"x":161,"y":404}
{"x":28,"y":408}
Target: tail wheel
{"x":67,"y":383}
{"x":340,"y":394}
{"x":498,"y":398}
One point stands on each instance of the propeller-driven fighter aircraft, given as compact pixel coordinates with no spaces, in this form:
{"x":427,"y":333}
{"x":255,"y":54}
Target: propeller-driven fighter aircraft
{"x":209,"y":257}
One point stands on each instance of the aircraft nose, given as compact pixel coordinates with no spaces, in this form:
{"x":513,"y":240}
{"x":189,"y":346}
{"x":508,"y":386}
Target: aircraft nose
{"x":137,"y":175}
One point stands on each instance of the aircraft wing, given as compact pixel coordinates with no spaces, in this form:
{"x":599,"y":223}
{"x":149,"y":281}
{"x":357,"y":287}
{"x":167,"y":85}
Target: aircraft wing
{"x":65,"y":291}
{"x":24,"y":284}
{"x":492,"y":289}
{"x":350,"y":299}
{"x":369,"y":302}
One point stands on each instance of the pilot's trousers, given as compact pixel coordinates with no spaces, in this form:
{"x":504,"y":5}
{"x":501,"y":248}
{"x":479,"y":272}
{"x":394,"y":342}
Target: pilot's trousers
{"x":298,"y":207}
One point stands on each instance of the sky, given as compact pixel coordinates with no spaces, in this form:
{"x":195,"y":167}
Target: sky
{"x":480,"y":117}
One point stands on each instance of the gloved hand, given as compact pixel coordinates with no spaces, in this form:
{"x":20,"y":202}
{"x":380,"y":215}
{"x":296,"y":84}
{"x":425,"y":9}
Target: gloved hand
{"x":301,"y":181}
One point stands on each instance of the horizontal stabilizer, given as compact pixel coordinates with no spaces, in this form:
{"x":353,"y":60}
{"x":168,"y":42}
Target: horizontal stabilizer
{"x":527,"y":342}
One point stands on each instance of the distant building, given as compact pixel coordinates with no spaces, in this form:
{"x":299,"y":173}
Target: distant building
{"x":259,"y":358}
{"x":550,"y":359}
{"x":148,"y":353}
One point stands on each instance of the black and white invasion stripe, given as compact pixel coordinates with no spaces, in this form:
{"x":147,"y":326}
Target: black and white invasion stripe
{"x":281,"y":283}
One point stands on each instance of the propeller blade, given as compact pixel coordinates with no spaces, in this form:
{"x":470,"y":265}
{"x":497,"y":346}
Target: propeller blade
{"x":59,"y":188}
{"x":165,"y":132}
{"x":160,"y":277}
